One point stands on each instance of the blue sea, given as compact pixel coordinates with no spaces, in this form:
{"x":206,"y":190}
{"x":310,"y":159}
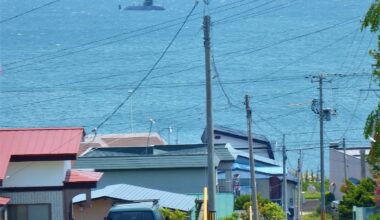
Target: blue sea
{"x":71,"y":63}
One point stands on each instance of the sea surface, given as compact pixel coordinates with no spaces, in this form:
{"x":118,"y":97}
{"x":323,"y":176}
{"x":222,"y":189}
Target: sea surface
{"x":72,"y":63}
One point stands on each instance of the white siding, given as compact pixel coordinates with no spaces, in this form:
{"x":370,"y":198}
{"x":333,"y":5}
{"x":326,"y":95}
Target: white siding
{"x":40,"y":173}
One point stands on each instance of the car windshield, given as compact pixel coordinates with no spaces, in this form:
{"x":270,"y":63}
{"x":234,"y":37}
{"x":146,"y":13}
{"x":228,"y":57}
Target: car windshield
{"x":131,"y":215}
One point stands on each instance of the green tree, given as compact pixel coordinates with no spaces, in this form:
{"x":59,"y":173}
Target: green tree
{"x":361,"y":195}
{"x":372,"y":126}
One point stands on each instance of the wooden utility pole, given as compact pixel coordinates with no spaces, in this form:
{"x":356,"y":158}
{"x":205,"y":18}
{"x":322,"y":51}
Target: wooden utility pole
{"x":344,"y":159}
{"x":284,"y":178}
{"x":299,"y":211}
{"x":320,"y":79}
{"x":251,"y":160}
{"x":210,"y":128}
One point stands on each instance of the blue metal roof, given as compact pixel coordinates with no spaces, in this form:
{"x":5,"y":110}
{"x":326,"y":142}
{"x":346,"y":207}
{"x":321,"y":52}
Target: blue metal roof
{"x":264,"y":170}
{"x":130,"y":193}
{"x":258,"y":158}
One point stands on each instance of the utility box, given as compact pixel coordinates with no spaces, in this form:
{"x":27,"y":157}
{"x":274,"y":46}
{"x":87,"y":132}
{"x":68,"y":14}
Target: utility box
{"x":363,"y":213}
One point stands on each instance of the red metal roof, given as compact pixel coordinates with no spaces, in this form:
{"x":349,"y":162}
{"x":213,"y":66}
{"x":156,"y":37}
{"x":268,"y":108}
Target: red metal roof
{"x":4,"y":200}
{"x":32,"y":142}
{"x":79,"y":176}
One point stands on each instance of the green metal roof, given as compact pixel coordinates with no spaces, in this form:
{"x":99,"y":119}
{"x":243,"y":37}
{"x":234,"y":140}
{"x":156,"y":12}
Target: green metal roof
{"x":144,"y":162}
{"x":159,"y":156}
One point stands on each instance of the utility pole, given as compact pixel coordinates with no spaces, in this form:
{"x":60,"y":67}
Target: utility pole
{"x":210,"y":128}
{"x":345,"y":159}
{"x":362,"y":164}
{"x":320,"y":79}
{"x":251,"y":160}
{"x":299,"y":213}
{"x":284,"y":178}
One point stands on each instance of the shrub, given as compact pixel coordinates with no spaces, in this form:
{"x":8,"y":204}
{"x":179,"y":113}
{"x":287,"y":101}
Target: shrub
{"x":240,"y":200}
{"x":361,"y":196}
{"x":173,"y":215}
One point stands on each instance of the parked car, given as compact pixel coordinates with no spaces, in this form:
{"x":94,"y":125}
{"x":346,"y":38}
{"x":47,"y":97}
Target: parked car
{"x":135,"y":211}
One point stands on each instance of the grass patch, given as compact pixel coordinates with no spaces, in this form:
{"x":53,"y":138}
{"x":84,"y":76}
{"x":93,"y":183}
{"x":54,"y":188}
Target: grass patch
{"x":314,"y":195}
{"x":315,"y":216}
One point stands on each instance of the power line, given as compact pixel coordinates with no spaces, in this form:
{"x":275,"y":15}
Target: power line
{"x":150,"y":71}
{"x":29,"y":11}
{"x":253,"y":50}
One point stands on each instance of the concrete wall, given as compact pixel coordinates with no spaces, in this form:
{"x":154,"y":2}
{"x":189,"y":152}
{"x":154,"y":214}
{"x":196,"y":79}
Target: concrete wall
{"x":186,"y":181}
{"x":36,"y":173}
{"x":54,"y":198}
{"x":97,"y":211}
{"x":337,"y":170}
{"x":242,"y":145}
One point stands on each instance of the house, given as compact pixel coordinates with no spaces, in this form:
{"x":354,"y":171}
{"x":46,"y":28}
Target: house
{"x":36,"y":179}
{"x":172,"y":168}
{"x":268,"y":173}
{"x":239,"y":140}
{"x":357,"y":167}
{"x":103,"y":199}
{"x":183,"y":168}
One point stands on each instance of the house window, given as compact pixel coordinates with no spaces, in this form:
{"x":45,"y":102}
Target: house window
{"x":29,"y":212}
{"x":217,"y":137}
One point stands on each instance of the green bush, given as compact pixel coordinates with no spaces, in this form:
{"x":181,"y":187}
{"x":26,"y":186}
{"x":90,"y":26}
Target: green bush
{"x":240,"y":200}
{"x":173,"y":215}
{"x":374,"y":217}
{"x":361,"y":196}
{"x":234,"y":216}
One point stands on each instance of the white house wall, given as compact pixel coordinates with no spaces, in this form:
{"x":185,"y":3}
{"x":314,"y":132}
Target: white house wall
{"x":36,"y":174}
{"x":242,"y":144}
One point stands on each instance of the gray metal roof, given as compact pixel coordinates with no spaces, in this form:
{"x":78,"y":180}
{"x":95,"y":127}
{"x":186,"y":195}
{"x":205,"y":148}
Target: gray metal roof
{"x":144,"y":162}
{"x":129,"y":193}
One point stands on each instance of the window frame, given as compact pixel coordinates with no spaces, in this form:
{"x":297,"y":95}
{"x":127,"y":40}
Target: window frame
{"x":9,"y":206}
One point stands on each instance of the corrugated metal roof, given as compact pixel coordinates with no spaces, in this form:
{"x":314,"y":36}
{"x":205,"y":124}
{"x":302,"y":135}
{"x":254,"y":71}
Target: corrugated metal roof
{"x":161,"y":156}
{"x":4,"y":200}
{"x":127,"y":193}
{"x":78,"y":176}
{"x":221,"y":150}
{"x":37,"y":142}
{"x":144,"y":162}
